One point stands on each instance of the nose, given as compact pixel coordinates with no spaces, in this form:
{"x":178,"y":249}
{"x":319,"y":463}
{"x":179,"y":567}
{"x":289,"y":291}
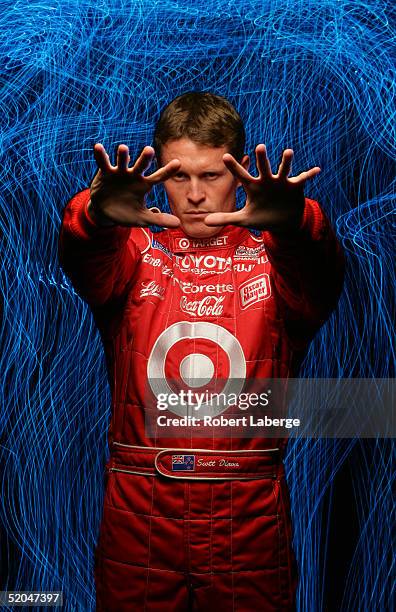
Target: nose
{"x":195,"y":193}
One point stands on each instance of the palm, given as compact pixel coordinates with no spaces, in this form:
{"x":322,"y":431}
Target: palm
{"x":273,"y":201}
{"x":118,"y":192}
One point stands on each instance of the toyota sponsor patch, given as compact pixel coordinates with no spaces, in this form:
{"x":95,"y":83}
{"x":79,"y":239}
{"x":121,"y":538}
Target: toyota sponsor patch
{"x":203,"y":264}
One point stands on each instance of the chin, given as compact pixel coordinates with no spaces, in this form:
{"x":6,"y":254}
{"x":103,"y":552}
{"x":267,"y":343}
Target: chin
{"x":198,"y":229}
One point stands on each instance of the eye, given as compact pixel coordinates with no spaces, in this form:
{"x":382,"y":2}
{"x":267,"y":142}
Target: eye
{"x":179,"y":176}
{"x":211,"y":175}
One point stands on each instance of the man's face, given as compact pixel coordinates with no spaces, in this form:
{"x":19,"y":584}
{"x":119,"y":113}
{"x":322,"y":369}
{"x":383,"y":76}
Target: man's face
{"x":203,"y":185}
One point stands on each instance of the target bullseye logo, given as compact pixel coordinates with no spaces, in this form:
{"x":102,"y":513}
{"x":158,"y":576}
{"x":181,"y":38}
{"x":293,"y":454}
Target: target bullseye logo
{"x":193,"y":363}
{"x":196,"y":353}
{"x":183,"y":243}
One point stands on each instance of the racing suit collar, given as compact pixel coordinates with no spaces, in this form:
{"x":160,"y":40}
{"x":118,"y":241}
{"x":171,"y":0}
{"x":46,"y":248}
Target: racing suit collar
{"x":180,"y":242}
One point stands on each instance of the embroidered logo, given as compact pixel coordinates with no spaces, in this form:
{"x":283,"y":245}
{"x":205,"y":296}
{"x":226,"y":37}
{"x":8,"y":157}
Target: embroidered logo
{"x":183,"y":462}
{"x":254,"y":290}
{"x":152,"y":288}
{"x":210,"y":305}
{"x":185,"y":243}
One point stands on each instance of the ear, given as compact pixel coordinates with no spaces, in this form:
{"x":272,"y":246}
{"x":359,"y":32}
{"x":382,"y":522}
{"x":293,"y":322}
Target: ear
{"x":245,"y":162}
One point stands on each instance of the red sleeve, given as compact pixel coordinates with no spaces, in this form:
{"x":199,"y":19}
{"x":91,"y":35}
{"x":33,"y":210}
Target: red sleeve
{"x":308,"y":272}
{"x":100,"y":261}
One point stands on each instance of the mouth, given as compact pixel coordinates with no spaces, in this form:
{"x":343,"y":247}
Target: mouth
{"x":197,"y":213}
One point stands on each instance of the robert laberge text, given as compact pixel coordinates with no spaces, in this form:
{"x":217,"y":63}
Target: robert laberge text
{"x":223,"y":421}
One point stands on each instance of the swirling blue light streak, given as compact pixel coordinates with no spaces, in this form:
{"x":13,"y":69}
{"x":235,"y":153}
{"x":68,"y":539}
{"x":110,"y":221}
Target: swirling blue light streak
{"x":315,"y":76}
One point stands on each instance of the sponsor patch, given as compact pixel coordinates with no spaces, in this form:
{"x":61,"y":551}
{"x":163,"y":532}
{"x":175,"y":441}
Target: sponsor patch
{"x":152,"y":288}
{"x":254,"y":290}
{"x":212,"y":264}
{"x":203,"y":264}
{"x":192,"y":288}
{"x":157,"y":262}
{"x":181,"y":463}
{"x":244,"y":252}
{"x":157,"y":245}
{"x":209,"y":306}
{"x":194,"y":243}
{"x":244,"y":267}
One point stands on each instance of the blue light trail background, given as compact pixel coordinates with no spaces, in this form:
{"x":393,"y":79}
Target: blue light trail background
{"x":317,"y":76}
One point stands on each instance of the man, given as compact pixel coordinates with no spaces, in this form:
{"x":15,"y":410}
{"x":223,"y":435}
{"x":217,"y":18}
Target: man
{"x":195,"y":522}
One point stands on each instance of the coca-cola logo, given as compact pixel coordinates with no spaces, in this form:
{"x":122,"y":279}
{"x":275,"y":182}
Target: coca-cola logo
{"x":152,"y":288}
{"x":209,"y":306}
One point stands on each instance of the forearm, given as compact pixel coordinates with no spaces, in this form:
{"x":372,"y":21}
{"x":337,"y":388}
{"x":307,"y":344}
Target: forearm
{"x":308,"y":265}
{"x":98,"y":217}
{"x":98,"y":259}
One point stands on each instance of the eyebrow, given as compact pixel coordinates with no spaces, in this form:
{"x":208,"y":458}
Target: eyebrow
{"x":207,"y":171}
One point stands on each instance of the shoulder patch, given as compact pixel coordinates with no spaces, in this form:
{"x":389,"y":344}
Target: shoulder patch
{"x":161,"y":247}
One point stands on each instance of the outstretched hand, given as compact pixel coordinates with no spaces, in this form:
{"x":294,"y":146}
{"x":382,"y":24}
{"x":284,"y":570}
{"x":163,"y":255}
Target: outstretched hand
{"x":273,"y":201}
{"x":118,"y":192}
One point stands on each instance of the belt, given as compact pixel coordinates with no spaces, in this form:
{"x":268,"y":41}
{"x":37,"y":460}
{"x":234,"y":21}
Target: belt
{"x":194,"y":463}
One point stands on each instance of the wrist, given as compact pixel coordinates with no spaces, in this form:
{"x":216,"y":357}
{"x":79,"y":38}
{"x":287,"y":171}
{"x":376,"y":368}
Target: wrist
{"x":287,"y":230}
{"x":293,"y":226}
{"x":98,"y":217}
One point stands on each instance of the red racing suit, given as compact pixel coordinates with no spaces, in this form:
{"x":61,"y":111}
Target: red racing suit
{"x":178,"y":531}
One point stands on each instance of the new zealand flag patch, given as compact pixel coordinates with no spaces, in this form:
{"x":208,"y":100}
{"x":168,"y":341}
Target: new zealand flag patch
{"x":183,"y":462}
